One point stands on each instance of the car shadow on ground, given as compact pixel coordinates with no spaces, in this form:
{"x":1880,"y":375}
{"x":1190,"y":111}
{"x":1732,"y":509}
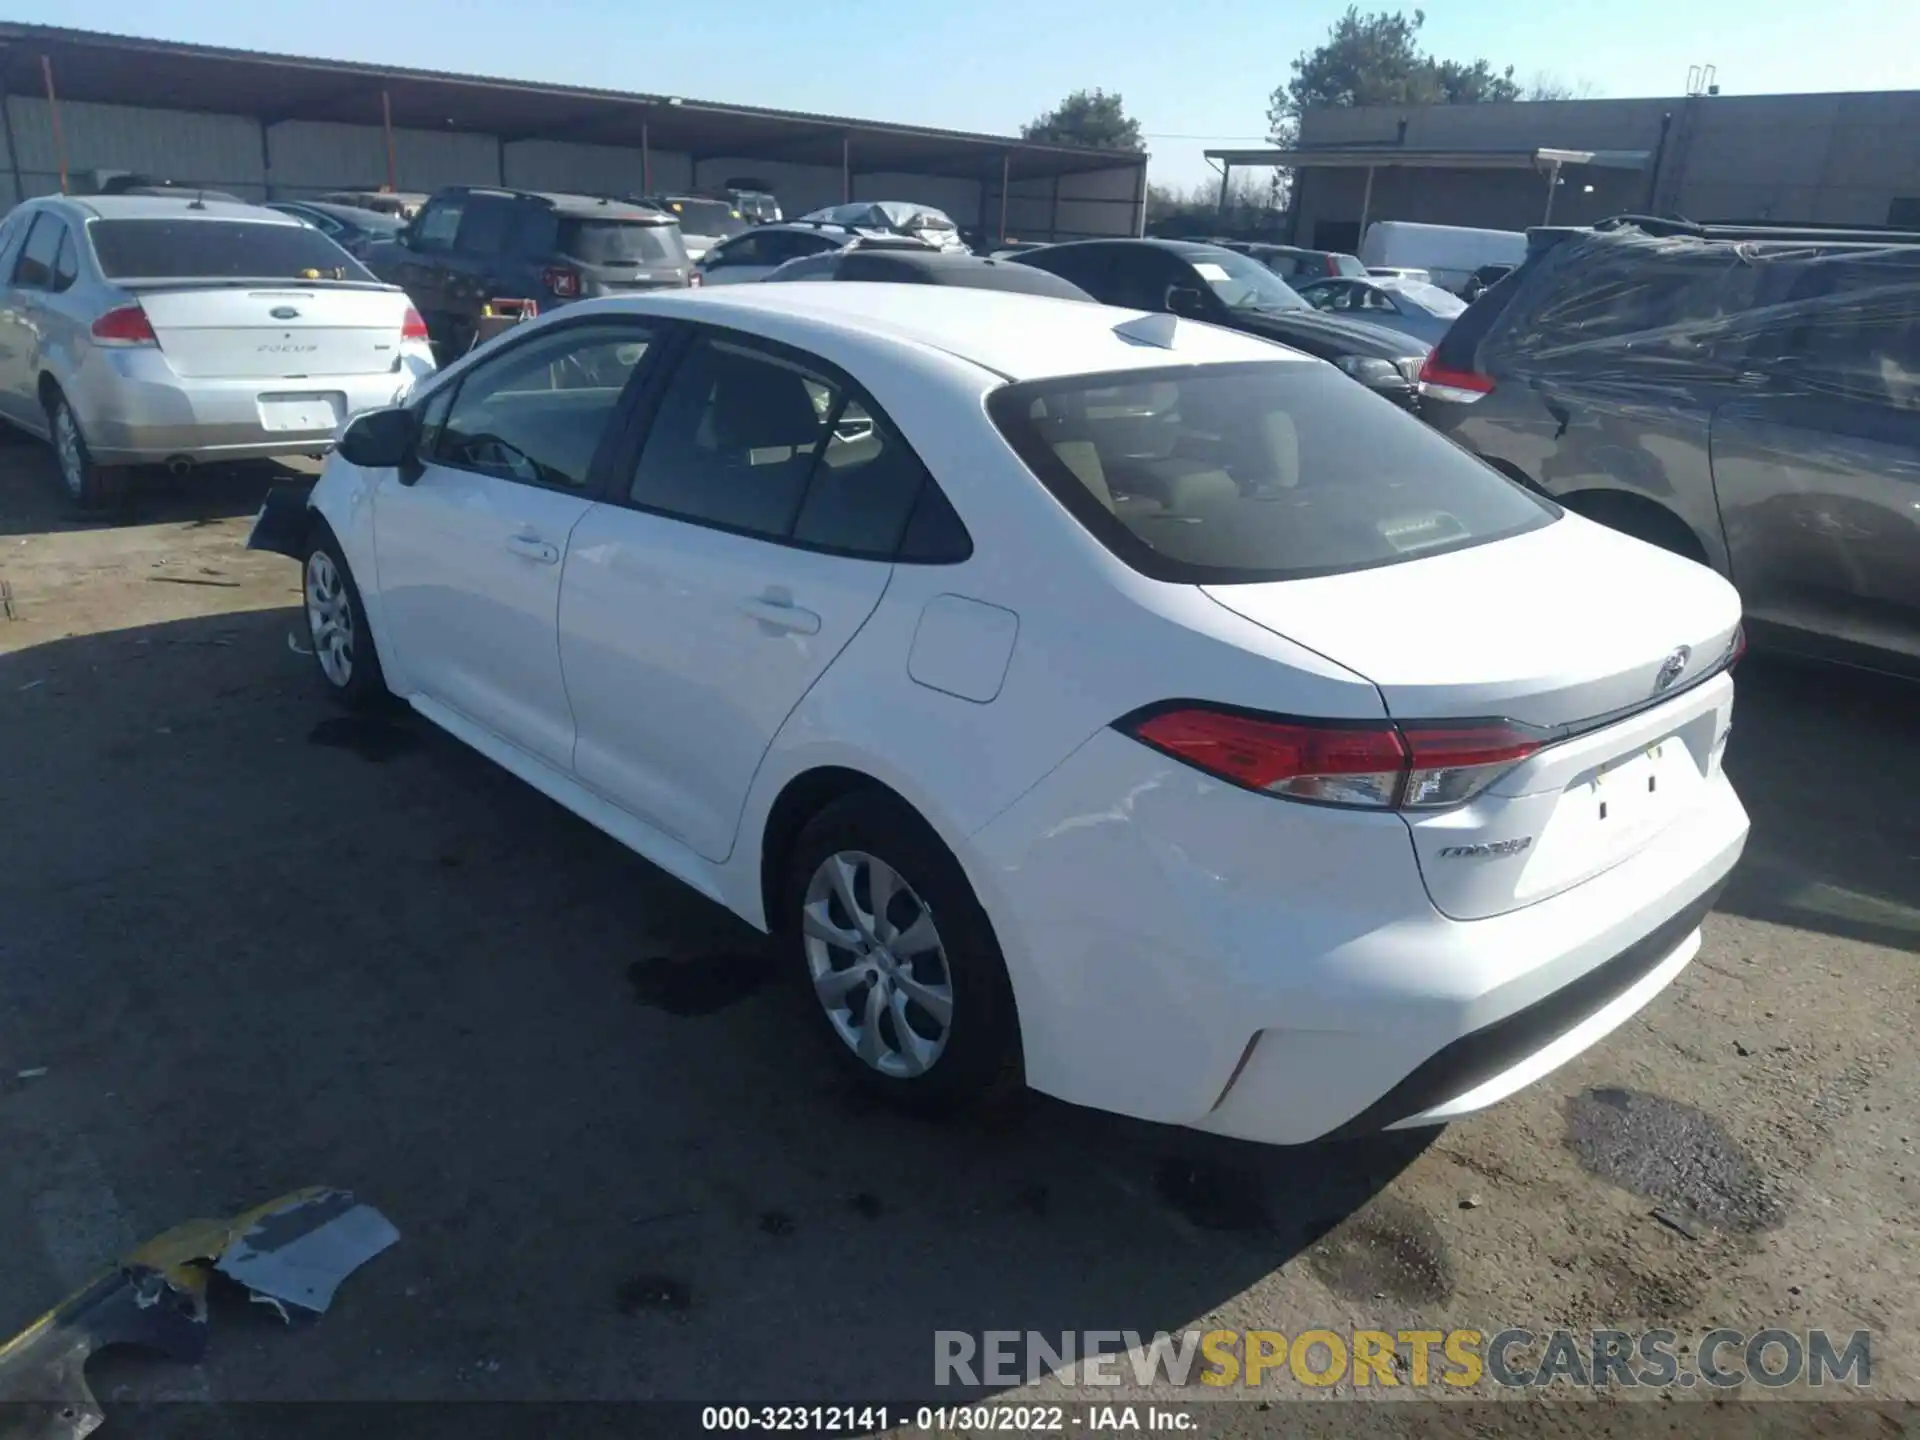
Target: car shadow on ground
{"x":292,"y":947}
{"x":35,"y":503}
{"x":1827,"y":761}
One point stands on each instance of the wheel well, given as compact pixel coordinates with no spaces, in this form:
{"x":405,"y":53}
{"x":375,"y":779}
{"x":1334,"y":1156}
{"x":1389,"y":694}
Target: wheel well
{"x":805,"y":796}
{"x":1636,"y":515}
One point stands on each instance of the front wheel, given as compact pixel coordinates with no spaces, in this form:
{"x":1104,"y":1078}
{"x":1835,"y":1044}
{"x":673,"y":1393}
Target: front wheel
{"x":905,"y":973}
{"x":337,"y":627}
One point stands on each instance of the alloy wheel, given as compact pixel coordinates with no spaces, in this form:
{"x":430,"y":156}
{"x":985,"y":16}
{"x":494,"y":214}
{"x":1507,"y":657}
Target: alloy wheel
{"x":330,"y":619}
{"x":877,"y":964}
{"x":68,"y":449}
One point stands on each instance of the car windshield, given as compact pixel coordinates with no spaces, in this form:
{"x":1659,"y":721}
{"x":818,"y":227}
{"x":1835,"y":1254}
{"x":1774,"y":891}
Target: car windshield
{"x":1254,"y":472}
{"x":1243,"y":283}
{"x":622,"y":242}
{"x":1348,"y":265}
{"x":707,"y":217}
{"x":1428,"y":297}
{"x":218,"y":250}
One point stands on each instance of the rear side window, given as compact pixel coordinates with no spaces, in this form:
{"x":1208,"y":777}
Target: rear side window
{"x":66,"y":265}
{"x":735,"y":439}
{"x":1593,"y":301}
{"x":1254,"y":472}
{"x":483,"y":229}
{"x":864,"y":487}
{"x":622,"y":242}
{"x":34,"y":269}
{"x":218,"y":250}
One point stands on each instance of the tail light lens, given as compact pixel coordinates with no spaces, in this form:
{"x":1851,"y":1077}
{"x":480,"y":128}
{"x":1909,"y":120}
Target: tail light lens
{"x":1377,"y":766}
{"x":413,"y":327}
{"x":1444,"y":383}
{"x":1453,"y":763}
{"x":127,"y":325}
{"x":1737,"y":646}
{"x":561,"y":281}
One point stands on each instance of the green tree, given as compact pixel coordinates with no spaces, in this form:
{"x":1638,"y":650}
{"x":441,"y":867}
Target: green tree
{"x":1087,"y":117}
{"x":1376,"y":59}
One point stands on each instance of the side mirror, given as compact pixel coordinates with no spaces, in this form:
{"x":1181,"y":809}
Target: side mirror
{"x":383,"y":440}
{"x":1188,"y":301}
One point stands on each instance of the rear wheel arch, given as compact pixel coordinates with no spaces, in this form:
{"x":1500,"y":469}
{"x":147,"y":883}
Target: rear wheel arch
{"x":1643,"y":518}
{"x":800,"y":799}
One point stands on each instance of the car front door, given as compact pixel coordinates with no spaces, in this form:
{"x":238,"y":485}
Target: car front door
{"x":1818,"y":471}
{"x":747,"y":544}
{"x":471,"y":552}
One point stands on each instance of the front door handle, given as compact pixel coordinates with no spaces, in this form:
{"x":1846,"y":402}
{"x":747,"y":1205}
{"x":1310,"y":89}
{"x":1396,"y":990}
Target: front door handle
{"x":777,"y":614}
{"x":532,"y":547}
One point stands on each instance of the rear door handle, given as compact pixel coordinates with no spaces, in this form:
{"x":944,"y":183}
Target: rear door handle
{"x":532,"y":547}
{"x":781,"y":615}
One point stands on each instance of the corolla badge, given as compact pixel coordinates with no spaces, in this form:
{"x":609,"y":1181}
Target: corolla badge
{"x":1487,"y":851}
{"x":1672,"y":668}
{"x":284,"y":312}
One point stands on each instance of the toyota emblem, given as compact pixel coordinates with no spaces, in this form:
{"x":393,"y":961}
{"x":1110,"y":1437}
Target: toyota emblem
{"x":1671,"y":669}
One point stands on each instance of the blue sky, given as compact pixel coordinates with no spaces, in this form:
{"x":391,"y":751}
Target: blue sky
{"x":1193,"y":75}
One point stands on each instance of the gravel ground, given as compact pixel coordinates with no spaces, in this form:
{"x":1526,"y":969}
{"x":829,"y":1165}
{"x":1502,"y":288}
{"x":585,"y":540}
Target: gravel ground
{"x":244,"y":950}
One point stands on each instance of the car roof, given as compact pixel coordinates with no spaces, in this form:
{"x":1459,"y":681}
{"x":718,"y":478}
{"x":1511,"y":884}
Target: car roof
{"x":1016,"y":336}
{"x":355,"y":214}
{"x":568,"y":205}
{"x":180,"y":206}
{"x":1178,"y":247}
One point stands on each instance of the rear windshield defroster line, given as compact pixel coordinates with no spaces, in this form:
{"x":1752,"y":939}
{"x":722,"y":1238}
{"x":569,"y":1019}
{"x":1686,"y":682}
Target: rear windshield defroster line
{"x":1253,"y":472}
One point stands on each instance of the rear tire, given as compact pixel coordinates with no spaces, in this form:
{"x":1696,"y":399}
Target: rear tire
{"x":343,"y":653}
{"x":89,"y":484}
{"x":913,"y":1002}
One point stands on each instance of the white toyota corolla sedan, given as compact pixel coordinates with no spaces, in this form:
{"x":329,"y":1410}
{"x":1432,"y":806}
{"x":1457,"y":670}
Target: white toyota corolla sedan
{"x":1101,"y":700}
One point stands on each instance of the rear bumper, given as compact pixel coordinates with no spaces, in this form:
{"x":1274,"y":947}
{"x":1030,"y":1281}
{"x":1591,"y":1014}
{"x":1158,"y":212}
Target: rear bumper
{"x":135,"y":411}
{"x":1193,"y":954}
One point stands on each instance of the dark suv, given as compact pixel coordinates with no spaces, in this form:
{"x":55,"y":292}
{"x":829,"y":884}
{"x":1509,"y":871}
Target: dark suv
{"x":1206,"y":282}
{"x":1745,"y":395}
{"x":468,"y":246}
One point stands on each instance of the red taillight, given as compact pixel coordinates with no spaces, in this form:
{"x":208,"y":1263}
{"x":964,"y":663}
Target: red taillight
{"x":1737,"y":646}
{"x":127,"y":325}
{"x":561,"y":281}
{"x":1373,"y":765}
{"x":1336,"y":764}
{"x":413,"y":327}
{"x":1442,"y":382}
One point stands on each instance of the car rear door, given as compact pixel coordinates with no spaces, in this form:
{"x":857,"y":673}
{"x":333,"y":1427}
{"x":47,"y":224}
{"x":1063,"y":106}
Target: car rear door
{"x":30,"y":274}
{"x":733,"y":560}
{"x":471,"y":550}
{"x":1817,"y":469}
{"x":420,"y":264}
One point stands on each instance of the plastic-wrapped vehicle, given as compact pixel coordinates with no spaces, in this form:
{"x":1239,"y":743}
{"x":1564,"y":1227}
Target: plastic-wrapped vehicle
{"x":1746,"y":396}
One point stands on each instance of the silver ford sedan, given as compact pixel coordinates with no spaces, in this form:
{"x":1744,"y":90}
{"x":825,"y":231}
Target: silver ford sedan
{"x":141,"y":330}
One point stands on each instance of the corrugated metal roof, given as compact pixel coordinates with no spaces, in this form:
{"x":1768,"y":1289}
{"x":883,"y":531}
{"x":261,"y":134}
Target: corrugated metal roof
{"x":132,"y":70}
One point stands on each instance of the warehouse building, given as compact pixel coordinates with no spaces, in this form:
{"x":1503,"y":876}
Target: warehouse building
{"x":81,"y":106}
{"x":1827,"y":159}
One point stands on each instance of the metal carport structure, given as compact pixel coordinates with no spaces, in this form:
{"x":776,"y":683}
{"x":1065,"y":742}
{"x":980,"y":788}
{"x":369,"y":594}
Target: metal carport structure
{"x":672,"y":136}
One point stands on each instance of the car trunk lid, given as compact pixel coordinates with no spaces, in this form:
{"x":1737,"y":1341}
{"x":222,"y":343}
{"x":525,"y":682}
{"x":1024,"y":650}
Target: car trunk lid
{"x":1601,"y":646}
{"x":242,"y":330}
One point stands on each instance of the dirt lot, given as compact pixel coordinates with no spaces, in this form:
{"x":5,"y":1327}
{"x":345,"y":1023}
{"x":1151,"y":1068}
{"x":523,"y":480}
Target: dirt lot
{"x":251,"y":952}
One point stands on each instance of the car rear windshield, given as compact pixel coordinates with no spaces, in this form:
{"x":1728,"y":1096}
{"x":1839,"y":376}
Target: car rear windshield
{"x":622,"y":242}
{"x":707,"y":217}
{"x":218,"y":250}
{"x":1254,"y":472}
